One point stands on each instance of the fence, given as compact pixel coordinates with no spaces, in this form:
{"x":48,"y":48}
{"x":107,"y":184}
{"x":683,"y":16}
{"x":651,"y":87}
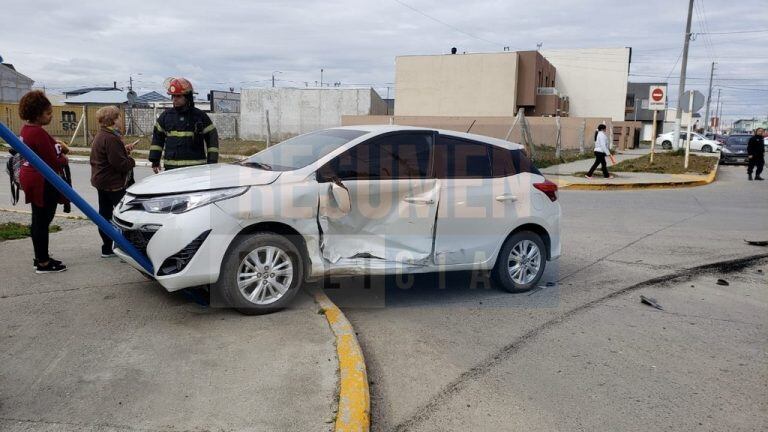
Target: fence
{"x":135,"y":121}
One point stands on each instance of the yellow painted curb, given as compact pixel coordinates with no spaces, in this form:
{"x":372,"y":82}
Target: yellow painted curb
{"x":685,"y":181}
{"x":354,"y":397}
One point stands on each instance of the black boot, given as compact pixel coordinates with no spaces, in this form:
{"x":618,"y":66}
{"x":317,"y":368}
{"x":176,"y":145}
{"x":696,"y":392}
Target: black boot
{"x":749,"y":176}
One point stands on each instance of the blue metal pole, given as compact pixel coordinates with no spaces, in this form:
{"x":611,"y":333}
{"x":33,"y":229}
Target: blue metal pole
{"x":73,"y":196}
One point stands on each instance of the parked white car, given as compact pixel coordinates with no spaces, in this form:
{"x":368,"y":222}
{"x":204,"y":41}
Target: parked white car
{"x":345,"y":201}
{"x":698,"y":142}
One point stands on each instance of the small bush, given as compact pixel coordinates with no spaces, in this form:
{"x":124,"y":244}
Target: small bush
{"x":13,"y":230}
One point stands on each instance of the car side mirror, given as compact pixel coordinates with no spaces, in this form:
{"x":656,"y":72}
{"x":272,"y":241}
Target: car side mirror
{"x":340,"y":194}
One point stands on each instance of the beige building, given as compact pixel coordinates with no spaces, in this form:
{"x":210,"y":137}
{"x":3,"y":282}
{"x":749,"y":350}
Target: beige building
{"x":576,"y":83}
{"x":595,"y":80}
{"x":456,"y":85}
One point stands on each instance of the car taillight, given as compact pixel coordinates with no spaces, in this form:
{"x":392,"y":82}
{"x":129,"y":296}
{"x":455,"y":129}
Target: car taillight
{"x":549,"y":189}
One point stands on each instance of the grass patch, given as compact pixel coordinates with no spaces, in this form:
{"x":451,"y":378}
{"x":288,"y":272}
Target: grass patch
{"x":545,"y":156}
{"x":13,"y":230}
{"x":665,"y":163}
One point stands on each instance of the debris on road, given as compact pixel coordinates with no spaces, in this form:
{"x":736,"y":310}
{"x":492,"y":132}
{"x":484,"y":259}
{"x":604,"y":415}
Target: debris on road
{"x":722,"y":282}
{"x":651,"y":302}
{"x":757,"y":242}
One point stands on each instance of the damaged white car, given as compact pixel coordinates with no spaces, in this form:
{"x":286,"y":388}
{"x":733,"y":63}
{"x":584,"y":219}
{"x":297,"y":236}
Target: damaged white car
{"x":345,"y":201}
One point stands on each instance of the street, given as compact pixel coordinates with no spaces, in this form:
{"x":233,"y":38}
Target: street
{"x":486,"y":360}
{"x":447,"y":352}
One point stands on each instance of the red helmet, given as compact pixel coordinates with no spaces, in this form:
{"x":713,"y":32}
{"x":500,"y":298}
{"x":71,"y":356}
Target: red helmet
{"x":178,"y":86}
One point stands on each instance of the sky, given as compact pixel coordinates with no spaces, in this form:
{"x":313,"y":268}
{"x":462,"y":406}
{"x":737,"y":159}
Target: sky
{"x":228,"y":44}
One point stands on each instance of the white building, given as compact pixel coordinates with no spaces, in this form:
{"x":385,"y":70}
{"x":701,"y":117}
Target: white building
{"x":13,"y":85}
{"x":595,"y":80}
{"x":294,"y":111}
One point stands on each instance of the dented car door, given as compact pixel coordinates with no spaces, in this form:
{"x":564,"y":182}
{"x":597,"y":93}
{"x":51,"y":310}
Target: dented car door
{"x":379,"y":201}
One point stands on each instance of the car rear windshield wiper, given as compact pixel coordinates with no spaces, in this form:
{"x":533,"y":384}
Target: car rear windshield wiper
{"x":259,"y":165}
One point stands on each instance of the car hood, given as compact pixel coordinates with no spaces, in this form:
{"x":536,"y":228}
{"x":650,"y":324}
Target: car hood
{"x":202,"y":177}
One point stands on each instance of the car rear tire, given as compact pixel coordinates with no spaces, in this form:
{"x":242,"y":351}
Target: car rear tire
{"x":261,"y":273}
{"x":706,"y":148}
{"x":666,"y":145}
{"x":521,"y":262}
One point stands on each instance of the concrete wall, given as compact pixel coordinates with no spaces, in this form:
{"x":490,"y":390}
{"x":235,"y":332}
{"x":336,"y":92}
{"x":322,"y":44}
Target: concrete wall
{"x":12,"y":85}
{"x":543,"y":130}
{"x":294,"y":111}
{"x":595,"y":80}
{"x":456,"y":85}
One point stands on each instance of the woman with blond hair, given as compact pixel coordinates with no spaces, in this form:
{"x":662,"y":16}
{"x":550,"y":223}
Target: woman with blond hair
{"x":111,"y":166}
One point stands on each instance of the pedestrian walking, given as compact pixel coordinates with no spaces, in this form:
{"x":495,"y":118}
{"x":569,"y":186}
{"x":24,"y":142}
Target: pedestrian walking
{"x":756,"y":154}
{"x":36,"y":110}
{"x":111,"y":165}
{"x":602,"y":149}
{"x":183,"y":135}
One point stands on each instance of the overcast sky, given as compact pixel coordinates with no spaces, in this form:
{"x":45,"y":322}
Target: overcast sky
{"x":223,"y":44}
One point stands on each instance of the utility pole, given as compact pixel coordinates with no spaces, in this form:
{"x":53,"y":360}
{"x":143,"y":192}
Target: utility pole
{"x":321,"y":78}
{"x":717,"y":110}
{"x":709,"y":97}
{"x":681,"y":87}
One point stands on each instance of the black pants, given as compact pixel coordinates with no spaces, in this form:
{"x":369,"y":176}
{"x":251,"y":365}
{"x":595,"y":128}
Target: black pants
{"x":756,"y":164}
{"x":599,"y":160}
{"x":41,"y":221}
{"x":107,"y":202}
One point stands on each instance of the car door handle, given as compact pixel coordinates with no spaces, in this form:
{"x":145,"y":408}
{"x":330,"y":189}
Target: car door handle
{"x":419,"y":200}
{"x":502,"y":198}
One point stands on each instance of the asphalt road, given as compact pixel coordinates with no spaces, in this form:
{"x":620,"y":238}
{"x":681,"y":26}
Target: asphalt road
{"x":585,"y":354}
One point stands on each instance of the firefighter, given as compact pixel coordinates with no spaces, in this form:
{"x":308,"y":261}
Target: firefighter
{"x":186,"y":134}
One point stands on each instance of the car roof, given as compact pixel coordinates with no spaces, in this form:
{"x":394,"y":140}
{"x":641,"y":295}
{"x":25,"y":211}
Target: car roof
{"x":382,"y":129}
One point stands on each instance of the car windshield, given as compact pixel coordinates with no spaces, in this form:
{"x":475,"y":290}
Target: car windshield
{"x":302,"y":150}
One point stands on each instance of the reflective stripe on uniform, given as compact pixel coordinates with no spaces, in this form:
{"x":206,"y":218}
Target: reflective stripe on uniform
{"x":213,"y":149}
{"x":209,"y":128}
{"x":185,"y":162}
{"x":181,"y":134}
{"x":155,"y":147}
{"x":158,"y":127}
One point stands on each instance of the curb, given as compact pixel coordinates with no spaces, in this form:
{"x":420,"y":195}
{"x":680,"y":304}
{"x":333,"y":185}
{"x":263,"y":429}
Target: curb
{"x":354,"y":397}
{"x":627,"y":186}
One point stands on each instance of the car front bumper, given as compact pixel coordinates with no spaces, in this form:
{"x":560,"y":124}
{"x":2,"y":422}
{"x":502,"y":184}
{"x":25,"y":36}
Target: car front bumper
{"x":176,"y":238}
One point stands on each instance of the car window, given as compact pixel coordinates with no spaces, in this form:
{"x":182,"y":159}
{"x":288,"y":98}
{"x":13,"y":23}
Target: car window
{"x":741,"y":140}
{"x":458,"y":158}
{"x":302,"y":150}
{"x":397,"y":156}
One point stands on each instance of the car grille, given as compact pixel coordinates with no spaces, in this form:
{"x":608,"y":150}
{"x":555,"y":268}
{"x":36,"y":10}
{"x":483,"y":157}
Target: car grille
{"x":139,"y":239}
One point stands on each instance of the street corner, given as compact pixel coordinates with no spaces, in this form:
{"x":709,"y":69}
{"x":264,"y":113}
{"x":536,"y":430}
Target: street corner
{"x":99,"y":346}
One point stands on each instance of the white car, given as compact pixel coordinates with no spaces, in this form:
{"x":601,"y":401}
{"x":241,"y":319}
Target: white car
{"x":698,"y":142}
{"x":345,"y":201}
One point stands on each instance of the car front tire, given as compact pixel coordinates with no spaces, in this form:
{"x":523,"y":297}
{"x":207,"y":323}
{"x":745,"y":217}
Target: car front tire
{"x":261,"y":273}
{"x":666,"y":145}
{"x":706,"y":148}
{"x":521,"y":262}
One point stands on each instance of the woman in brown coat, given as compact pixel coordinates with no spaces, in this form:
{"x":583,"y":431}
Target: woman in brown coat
{"x":111,"y":165}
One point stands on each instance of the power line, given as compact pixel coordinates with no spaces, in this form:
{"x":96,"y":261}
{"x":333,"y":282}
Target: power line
{"x":733,"y":32}
{"x":447,"y":25}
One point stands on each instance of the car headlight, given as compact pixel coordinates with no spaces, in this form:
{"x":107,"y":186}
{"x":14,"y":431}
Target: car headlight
{"x":185,"y":202}
{"x":725,"y":150}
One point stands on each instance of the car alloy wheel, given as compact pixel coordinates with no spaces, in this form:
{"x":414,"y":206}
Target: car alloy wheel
{"x":265,"y":275}
{"x":706,"y":149}
{"x":524,"y":262}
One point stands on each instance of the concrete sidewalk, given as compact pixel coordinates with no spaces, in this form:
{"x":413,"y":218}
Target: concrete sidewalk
{"x":564,"y":175}
{"x":99,"y":347}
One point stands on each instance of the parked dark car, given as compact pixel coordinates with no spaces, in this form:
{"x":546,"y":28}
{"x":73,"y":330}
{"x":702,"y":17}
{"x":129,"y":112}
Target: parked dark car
{"x":735,"y":149}
{"x":717,"y":137}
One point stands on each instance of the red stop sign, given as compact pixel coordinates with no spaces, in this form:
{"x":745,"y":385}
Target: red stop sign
{"x":657,"y":94}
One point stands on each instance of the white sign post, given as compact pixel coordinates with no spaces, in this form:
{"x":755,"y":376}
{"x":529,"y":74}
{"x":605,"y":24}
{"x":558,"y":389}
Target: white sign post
{"x":657,"y":100}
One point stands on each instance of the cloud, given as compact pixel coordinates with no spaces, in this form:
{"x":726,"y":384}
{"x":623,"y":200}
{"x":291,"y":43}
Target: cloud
{"x":226,"y":44}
